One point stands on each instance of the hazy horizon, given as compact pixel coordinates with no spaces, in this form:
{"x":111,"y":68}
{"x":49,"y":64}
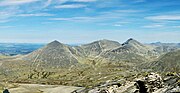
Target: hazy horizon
{"x":84,"y":21}
{"x":77,"y":43}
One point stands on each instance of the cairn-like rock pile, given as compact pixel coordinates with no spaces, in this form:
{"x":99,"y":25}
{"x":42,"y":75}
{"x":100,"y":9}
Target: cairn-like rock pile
{"x":151,"y":83}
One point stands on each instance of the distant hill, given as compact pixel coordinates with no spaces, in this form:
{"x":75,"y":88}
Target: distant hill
{"x":166,"y":44}
{"x":165,"y":47}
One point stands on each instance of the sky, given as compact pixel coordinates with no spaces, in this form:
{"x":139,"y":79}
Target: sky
{"x":83,"y":21}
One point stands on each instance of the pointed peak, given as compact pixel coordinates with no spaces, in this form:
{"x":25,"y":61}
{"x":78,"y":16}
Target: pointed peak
{"x":54,"y":43}
{"x":130,"y":41}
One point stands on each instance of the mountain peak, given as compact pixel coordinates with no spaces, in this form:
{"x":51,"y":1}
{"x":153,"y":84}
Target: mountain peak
{"x":54,"y":43}
{"x":97,"y":47}
{"x":53,"y":54}
{"x":104,"y":40}
{"x":130,"y":41}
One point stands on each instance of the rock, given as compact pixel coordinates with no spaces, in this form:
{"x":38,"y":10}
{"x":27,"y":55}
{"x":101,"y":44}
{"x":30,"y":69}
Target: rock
{"x":6,"y":91}
{"x":151,"y":83}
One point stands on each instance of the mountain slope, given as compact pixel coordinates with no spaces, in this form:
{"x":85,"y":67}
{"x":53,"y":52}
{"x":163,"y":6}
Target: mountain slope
{"x":134,"y":46}
{"x":95,"y":48}
{"x":130,"y":51}
{"x":54,"y":54}
{"x":167,"y":62}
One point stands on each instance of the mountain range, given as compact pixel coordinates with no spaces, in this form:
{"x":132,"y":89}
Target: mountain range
{"x":57,"y":54}
{"x":90,"y":64}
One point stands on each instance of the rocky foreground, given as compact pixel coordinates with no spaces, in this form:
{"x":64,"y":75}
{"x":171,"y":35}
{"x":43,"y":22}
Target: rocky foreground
{"x":151,"y":83}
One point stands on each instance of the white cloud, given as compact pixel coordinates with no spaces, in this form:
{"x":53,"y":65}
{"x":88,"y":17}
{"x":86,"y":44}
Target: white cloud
{"x":37,"y":14}
{"x":4,"y":21}
{"x":123,"y":11}
{"x":15,"y":2}
{"x":71,"y":6}
{"x":121,"y":14}
{"x":77,"y":19}
{"x":176,"y":26}
{"x":47,"y":3}
{"x":128,"y":11}
{"x":117,"y":25}
{"x":102,"y":16}
{"x":6,"y":26}
{"x":84,"y":0}
{"x":62,"y":19}
{"x":153,"y":26}
{"x":123,"y":22}
{"x":8,"y":13}
{"x":164,"y":18}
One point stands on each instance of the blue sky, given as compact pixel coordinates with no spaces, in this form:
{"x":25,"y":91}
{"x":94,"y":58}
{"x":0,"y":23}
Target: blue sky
{"x":82,"y":21}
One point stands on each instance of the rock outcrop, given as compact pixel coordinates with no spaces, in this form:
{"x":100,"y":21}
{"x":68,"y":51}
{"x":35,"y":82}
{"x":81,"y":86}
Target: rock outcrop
{"x":151,"y":83}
